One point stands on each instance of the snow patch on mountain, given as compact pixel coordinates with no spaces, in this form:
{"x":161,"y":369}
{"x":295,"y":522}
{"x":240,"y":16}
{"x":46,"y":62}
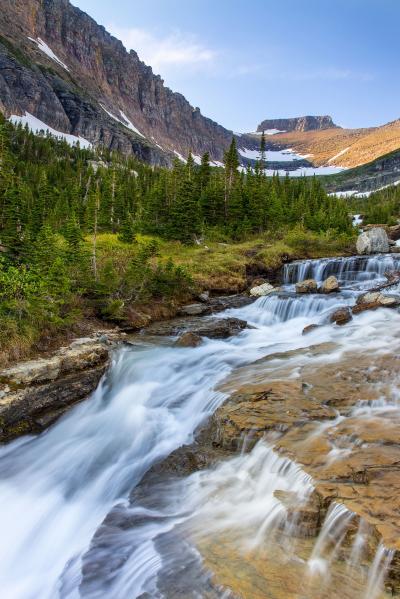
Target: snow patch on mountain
{"x":129,"y":124}
{"x":39,"y":127}
{"x":338,"y":155}
{"x":273,"y":155}
{"x":181,"y":158}
{"x":48,"y":51}
{"x":122,"y":120}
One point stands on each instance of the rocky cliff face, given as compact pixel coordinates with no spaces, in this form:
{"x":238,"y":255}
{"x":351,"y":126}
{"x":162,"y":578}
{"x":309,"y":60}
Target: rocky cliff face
{"x":301,"y":123}
{"x":59,"y":65}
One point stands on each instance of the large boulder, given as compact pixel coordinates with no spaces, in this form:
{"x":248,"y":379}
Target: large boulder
{"x":330,"y":285}
{"x":373,"y":241}
{"x":307,"y":286}
{"x":373,"y":300}
{"x":260,"y":290}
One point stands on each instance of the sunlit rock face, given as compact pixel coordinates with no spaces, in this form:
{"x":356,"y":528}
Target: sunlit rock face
{"x":59,"y":65}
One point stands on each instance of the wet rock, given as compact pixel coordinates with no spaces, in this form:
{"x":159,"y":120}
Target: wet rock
{"x":330,"y":285}
{"x":303,"y":516}
{"x":373,"y":241}
{"x":310,"y":328}
{"x":341,"y":316}
{"x":35,"y":393}
{"x":214,"y":328}
{"x":307,"y":286}
{"x":374,"y":300}
{"x":188,"y":340}
{"x":195,"y":310}
{"x":261,"y":290}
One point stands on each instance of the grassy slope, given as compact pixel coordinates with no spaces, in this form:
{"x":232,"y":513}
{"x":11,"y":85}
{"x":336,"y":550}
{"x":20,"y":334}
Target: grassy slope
{"x":223,"y":267}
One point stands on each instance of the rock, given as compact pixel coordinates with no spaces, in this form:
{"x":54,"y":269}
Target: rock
{"x":225,"y":302}
{"x":376,"y":297}
{"x":260,"y":290}
{"x":204,"y":297}
{"x":369,"y":297}
{"x":307,"y":286}
{"x":341,"y":316}
{"x":395,"y":249}
{"x":310,"y":328}
{"x":134,"y":319}
{"x":394,"y":232}
{"x":373,"y":241}
{"x":195,"y":310}
{"x":33,"y":394}
{"x":330,"y":285}
{"x":374,"y":300}
{"x":189,"y":340}
{"x":214,"y":328}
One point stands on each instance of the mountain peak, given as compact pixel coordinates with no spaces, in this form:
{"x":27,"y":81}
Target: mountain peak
{"x":299,"y":123}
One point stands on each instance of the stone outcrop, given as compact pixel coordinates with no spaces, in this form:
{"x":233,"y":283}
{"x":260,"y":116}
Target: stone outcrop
{"x":307,"y":286}
{"x":373,"y":241}
{"x":35,"y":393}
{"x":301,"y":123}
{"x":106,"y":93}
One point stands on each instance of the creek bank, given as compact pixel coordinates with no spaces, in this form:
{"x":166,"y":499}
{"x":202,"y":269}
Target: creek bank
{"x":35,"y":393}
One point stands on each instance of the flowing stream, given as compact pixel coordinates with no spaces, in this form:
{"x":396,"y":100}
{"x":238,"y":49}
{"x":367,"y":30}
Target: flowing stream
{"x":57,"y":488}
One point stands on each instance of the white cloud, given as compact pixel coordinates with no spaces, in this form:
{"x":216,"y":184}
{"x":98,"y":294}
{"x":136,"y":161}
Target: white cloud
{"x":162,"y":52}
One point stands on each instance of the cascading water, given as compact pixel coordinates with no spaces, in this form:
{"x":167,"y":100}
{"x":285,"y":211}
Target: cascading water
{"x":57,"y":488}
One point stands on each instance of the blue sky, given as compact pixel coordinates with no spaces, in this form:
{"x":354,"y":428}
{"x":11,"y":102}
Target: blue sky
{"x":242,"y":62}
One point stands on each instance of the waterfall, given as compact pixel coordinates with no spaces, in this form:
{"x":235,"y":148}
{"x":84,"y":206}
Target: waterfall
{"x":352,"y":269}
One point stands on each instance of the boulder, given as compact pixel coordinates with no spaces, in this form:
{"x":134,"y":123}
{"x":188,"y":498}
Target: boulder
{"x":260,"y":290}
{"x":188,"y":339}
{"x":341,"y":316}
{"x":373,"y":241}
{"x":330,"y":285}
{"x":307,"y":286}
{"x":195,"y":310}
{"x":374,"y":300}
{"x":376,"y":297}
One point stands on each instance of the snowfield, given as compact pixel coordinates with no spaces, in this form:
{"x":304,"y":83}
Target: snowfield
{"x":48,"y":51}
{"x":37,"y":126}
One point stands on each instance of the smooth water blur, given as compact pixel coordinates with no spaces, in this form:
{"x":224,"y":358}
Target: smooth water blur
{"x":56,"y":489}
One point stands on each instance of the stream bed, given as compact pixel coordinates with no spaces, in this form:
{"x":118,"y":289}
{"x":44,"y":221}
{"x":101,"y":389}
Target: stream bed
{"x":76,"y":520}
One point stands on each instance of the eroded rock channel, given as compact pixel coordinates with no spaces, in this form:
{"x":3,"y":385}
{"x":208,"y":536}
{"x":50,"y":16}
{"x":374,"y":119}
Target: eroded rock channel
{"x":259,"y":463}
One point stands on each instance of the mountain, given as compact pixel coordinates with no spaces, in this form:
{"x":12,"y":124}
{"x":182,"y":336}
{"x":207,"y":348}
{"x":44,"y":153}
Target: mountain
{"x":336,"y":146}
{"x":300,"y":123}
{"x":59,"y":66}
